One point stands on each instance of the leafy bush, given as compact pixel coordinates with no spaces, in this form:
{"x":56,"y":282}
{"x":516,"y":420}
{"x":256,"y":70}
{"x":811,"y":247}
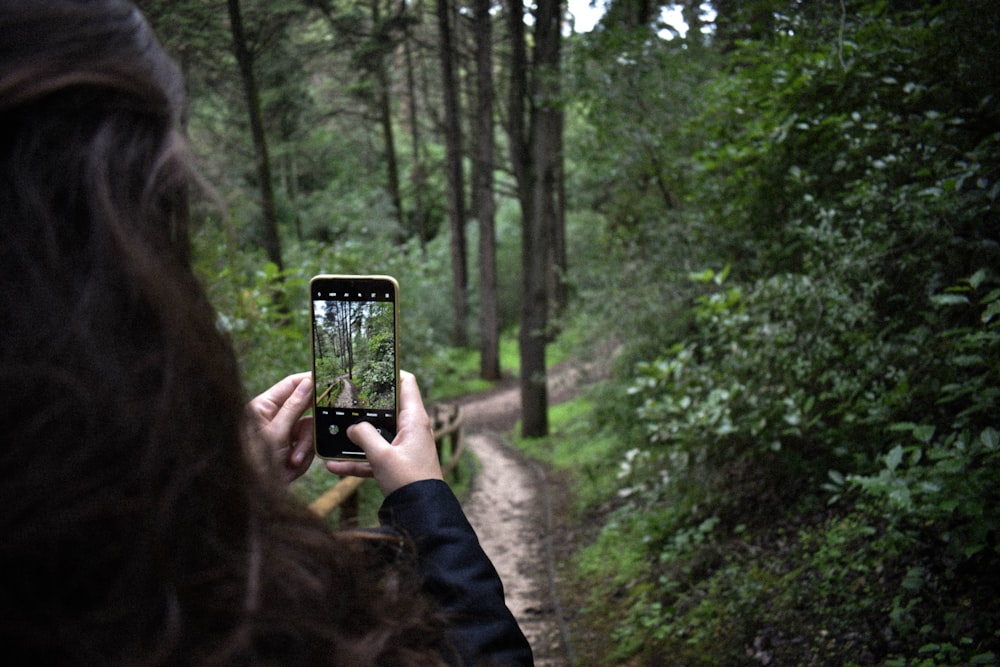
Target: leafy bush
{"x":817,"y":434}
{"x":775,"y":376}
{"x":940,"y":473}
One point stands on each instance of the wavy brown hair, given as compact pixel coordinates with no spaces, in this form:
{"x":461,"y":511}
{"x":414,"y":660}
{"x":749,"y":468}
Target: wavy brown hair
{"x":133,"y":529}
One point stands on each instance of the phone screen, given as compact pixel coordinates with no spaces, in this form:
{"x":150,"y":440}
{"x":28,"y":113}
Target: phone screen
{"x":355,"y":359}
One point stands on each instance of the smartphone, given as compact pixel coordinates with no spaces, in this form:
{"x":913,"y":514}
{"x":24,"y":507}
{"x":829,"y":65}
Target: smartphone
{"x":355,"y":346}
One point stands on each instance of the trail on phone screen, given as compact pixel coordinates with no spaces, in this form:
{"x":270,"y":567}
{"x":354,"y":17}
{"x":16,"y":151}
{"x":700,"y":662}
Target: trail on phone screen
{"x":348,"y":395}
{"x":517,"y":507}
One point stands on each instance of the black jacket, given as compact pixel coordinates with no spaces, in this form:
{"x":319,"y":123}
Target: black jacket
{"x":458,"y":574}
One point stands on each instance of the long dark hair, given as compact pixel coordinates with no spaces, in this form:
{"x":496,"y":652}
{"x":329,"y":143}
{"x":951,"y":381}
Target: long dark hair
{"x":133,"y":528}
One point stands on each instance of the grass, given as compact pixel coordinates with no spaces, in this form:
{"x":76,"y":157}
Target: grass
{"x":591,"y":457}
{"x":454,"y":372}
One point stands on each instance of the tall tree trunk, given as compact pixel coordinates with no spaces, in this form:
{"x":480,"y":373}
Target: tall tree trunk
{"x":385,"y":121}
{"x":289,"y":170}
{"x":482,"y":175}
{"x":558,"y":265}
{"x":456,"y":181}
{"x":526,"y":149}
{"x":391,"y":164}
{"x":517,"y":134}
{"x":418,"y":173}
{"x":269,"y":212}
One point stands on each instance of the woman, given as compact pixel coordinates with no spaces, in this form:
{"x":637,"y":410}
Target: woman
{"x":144,"y":520}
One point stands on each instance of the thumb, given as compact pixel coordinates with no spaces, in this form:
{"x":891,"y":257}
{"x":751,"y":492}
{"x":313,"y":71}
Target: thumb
{"x":367,"y":437}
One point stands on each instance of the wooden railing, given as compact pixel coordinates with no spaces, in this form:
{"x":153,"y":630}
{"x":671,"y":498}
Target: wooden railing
{"x":447,"y":424}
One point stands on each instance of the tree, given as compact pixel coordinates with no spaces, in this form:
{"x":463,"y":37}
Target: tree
{"x":631,"y":14}
{"x":245,"y":60}
{"x":453,"y":168}
{"x":371,"y":46}
{"x":384,"y":42}
{"x":483,"y":202}
{"x":745,"y":19}
{"x":417,"y":169}
{"x":534,"y":128}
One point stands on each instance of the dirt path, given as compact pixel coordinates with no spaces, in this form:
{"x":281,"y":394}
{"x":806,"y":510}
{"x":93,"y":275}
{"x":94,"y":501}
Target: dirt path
{"x":348,"y":395}
{"x":511,"y":507}
{"x":507,"y":511}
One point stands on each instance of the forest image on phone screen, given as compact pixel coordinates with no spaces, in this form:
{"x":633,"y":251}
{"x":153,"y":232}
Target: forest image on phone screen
{"x":355,"y":354}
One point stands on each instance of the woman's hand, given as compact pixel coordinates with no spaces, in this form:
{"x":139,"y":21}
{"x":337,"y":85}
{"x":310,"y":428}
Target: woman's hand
{"x":411,"y":456}
{"x":278,"y":428}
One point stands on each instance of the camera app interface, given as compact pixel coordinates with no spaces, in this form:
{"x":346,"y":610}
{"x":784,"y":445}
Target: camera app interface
{"x":354,"y":348}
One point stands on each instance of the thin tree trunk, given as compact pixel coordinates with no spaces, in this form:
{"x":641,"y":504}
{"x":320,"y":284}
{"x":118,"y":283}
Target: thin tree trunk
{"x":456,"y":181}
{"x":558,"y":264}
{"x":517,"y":135}
{"x":391,"y":164}
{"x":269,"y":212}
{"x":418,"y":171}
{"x":489,"y":317}
{"x":385,"y":121}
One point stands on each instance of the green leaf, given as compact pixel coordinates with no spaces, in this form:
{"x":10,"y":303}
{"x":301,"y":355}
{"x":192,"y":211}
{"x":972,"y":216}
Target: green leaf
{"x":924,"y":433}
{"x":702,"y":277}
{"x":978,"y":278}
{"x":972,"y":549}
{"x":990,"y":438}
{"x":914,"y":578}
{"x":991,"y":311}
{"x":902,"y":426}
{"x":894,"y":458}
{"x":949,"y":299}
{"x":271,"y":271}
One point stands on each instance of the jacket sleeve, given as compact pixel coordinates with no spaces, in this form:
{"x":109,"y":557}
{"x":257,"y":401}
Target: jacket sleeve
{"x":457,"y":573}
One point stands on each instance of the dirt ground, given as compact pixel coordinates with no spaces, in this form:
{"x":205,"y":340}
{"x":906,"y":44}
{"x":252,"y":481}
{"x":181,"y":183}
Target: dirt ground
{"x":506,"y":509}
{"x":515,"y":505}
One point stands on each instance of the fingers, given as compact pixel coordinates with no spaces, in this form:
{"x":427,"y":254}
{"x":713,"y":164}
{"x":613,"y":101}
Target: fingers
{"x":411,"y":456}
{"x":350,"y":468}
{"x":409,"y":393}
{"x":367,"y":437}
{"x":301,"y":453}
{"x":267,"y":404}
{"x":295,"y":403}
{"x":277,"y":424}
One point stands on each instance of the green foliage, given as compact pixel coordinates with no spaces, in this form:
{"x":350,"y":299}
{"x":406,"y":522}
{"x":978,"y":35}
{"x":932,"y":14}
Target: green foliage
{"x":813,"y":427}
{"x":626,"y":164}
{"x":574,"y":446}
{"x":775,"y":375}
{"x":266,"y":312}
{"x":941,"y":473}
{"x":259,"y":307}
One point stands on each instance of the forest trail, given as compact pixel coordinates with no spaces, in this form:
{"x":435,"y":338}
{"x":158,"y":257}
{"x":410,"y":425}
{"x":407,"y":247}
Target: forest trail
{"x":506,"y":507}
{"x":348,"y":397}
{"x":514,"y":505}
